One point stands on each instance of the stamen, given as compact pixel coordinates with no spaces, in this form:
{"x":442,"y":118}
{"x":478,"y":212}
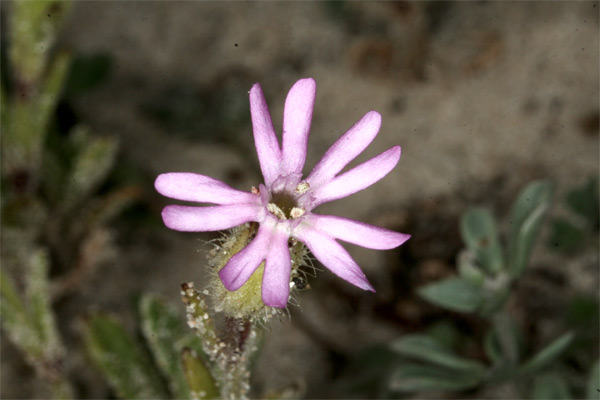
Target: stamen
{"x":276,"y":211}
{"x":302,"y":188}
{"x":297,"y":212}
{"x":255,"y":191}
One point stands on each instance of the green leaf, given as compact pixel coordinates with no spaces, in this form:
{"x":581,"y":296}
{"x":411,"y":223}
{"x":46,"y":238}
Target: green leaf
{"x":548,"y":354}
{"x":455,"y":294}
{"x":38,"y":298}
{"x":509,"y":338}
{"x":550,"y":386}
{"x":51,"y":88}
{"x":496,"y":291}
{"x":29,"y":320}
{"x":491,"y":347}
{"x":480,"y":233}
{"x":163,"y":328}
{"x":27,"y":122}
{"x":121,"y":360}
{"x":416,"y":378}
{"x":201,"y":382}
{"x":593,"y":383}
{"x":527,"y":216}
{"x":15,"y":318}
{"x":424,"y":348}
{"x":94,"y":160}
{"x":34,"y":28}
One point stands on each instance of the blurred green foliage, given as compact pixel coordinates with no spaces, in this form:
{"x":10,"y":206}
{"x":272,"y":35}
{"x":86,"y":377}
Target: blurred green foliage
{"x":487,"y":274}
{"x":52,"y":217}
{"x":122,"y":359}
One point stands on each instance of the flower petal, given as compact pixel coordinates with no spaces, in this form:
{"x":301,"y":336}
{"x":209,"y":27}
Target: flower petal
{"x":361,"y":234}
{"x":346,"y":149}
{"x":333,"y":256}
{"x":242,"y":265}
{"x":206,"y":219}
{"x":357,"y":178}
{"x":276,"y":279}
{"x":265,"y":139}
{"x":297,"y":116}
{"x":203,"y":189}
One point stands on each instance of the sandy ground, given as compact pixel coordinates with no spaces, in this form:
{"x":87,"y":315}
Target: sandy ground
{"x":470,"y":90}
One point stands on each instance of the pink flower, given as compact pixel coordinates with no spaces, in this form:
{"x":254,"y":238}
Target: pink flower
{"x":283,"y":205}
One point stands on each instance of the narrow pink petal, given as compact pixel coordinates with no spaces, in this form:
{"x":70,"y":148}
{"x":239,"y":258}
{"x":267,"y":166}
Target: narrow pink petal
{"x":242,"y":265}
{"x":203,"y":189}
{"x":361,"y":234}
{"x":276,"y":280}
{"x":206,"y":219}
{"x":358,"y":178}
{"x":297,"y":116}
{"x":346,"y":149}
{"x":265,"y":139}
{"x":333,"y":256}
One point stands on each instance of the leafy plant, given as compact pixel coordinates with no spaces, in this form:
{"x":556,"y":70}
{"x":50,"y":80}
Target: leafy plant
{"x":487,"y":272}
{"x":52,"y":216}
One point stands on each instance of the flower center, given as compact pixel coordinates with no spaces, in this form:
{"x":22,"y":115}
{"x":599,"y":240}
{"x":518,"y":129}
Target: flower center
{"x":284,"y":206}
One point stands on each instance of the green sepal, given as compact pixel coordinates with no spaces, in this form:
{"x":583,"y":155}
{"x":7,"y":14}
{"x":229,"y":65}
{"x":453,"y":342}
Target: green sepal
{"x":123,"y":362}
{"x":526,"y":218}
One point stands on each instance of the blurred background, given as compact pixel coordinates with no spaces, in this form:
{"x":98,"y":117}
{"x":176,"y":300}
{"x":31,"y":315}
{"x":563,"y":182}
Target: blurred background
{"x":483,"y":98}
